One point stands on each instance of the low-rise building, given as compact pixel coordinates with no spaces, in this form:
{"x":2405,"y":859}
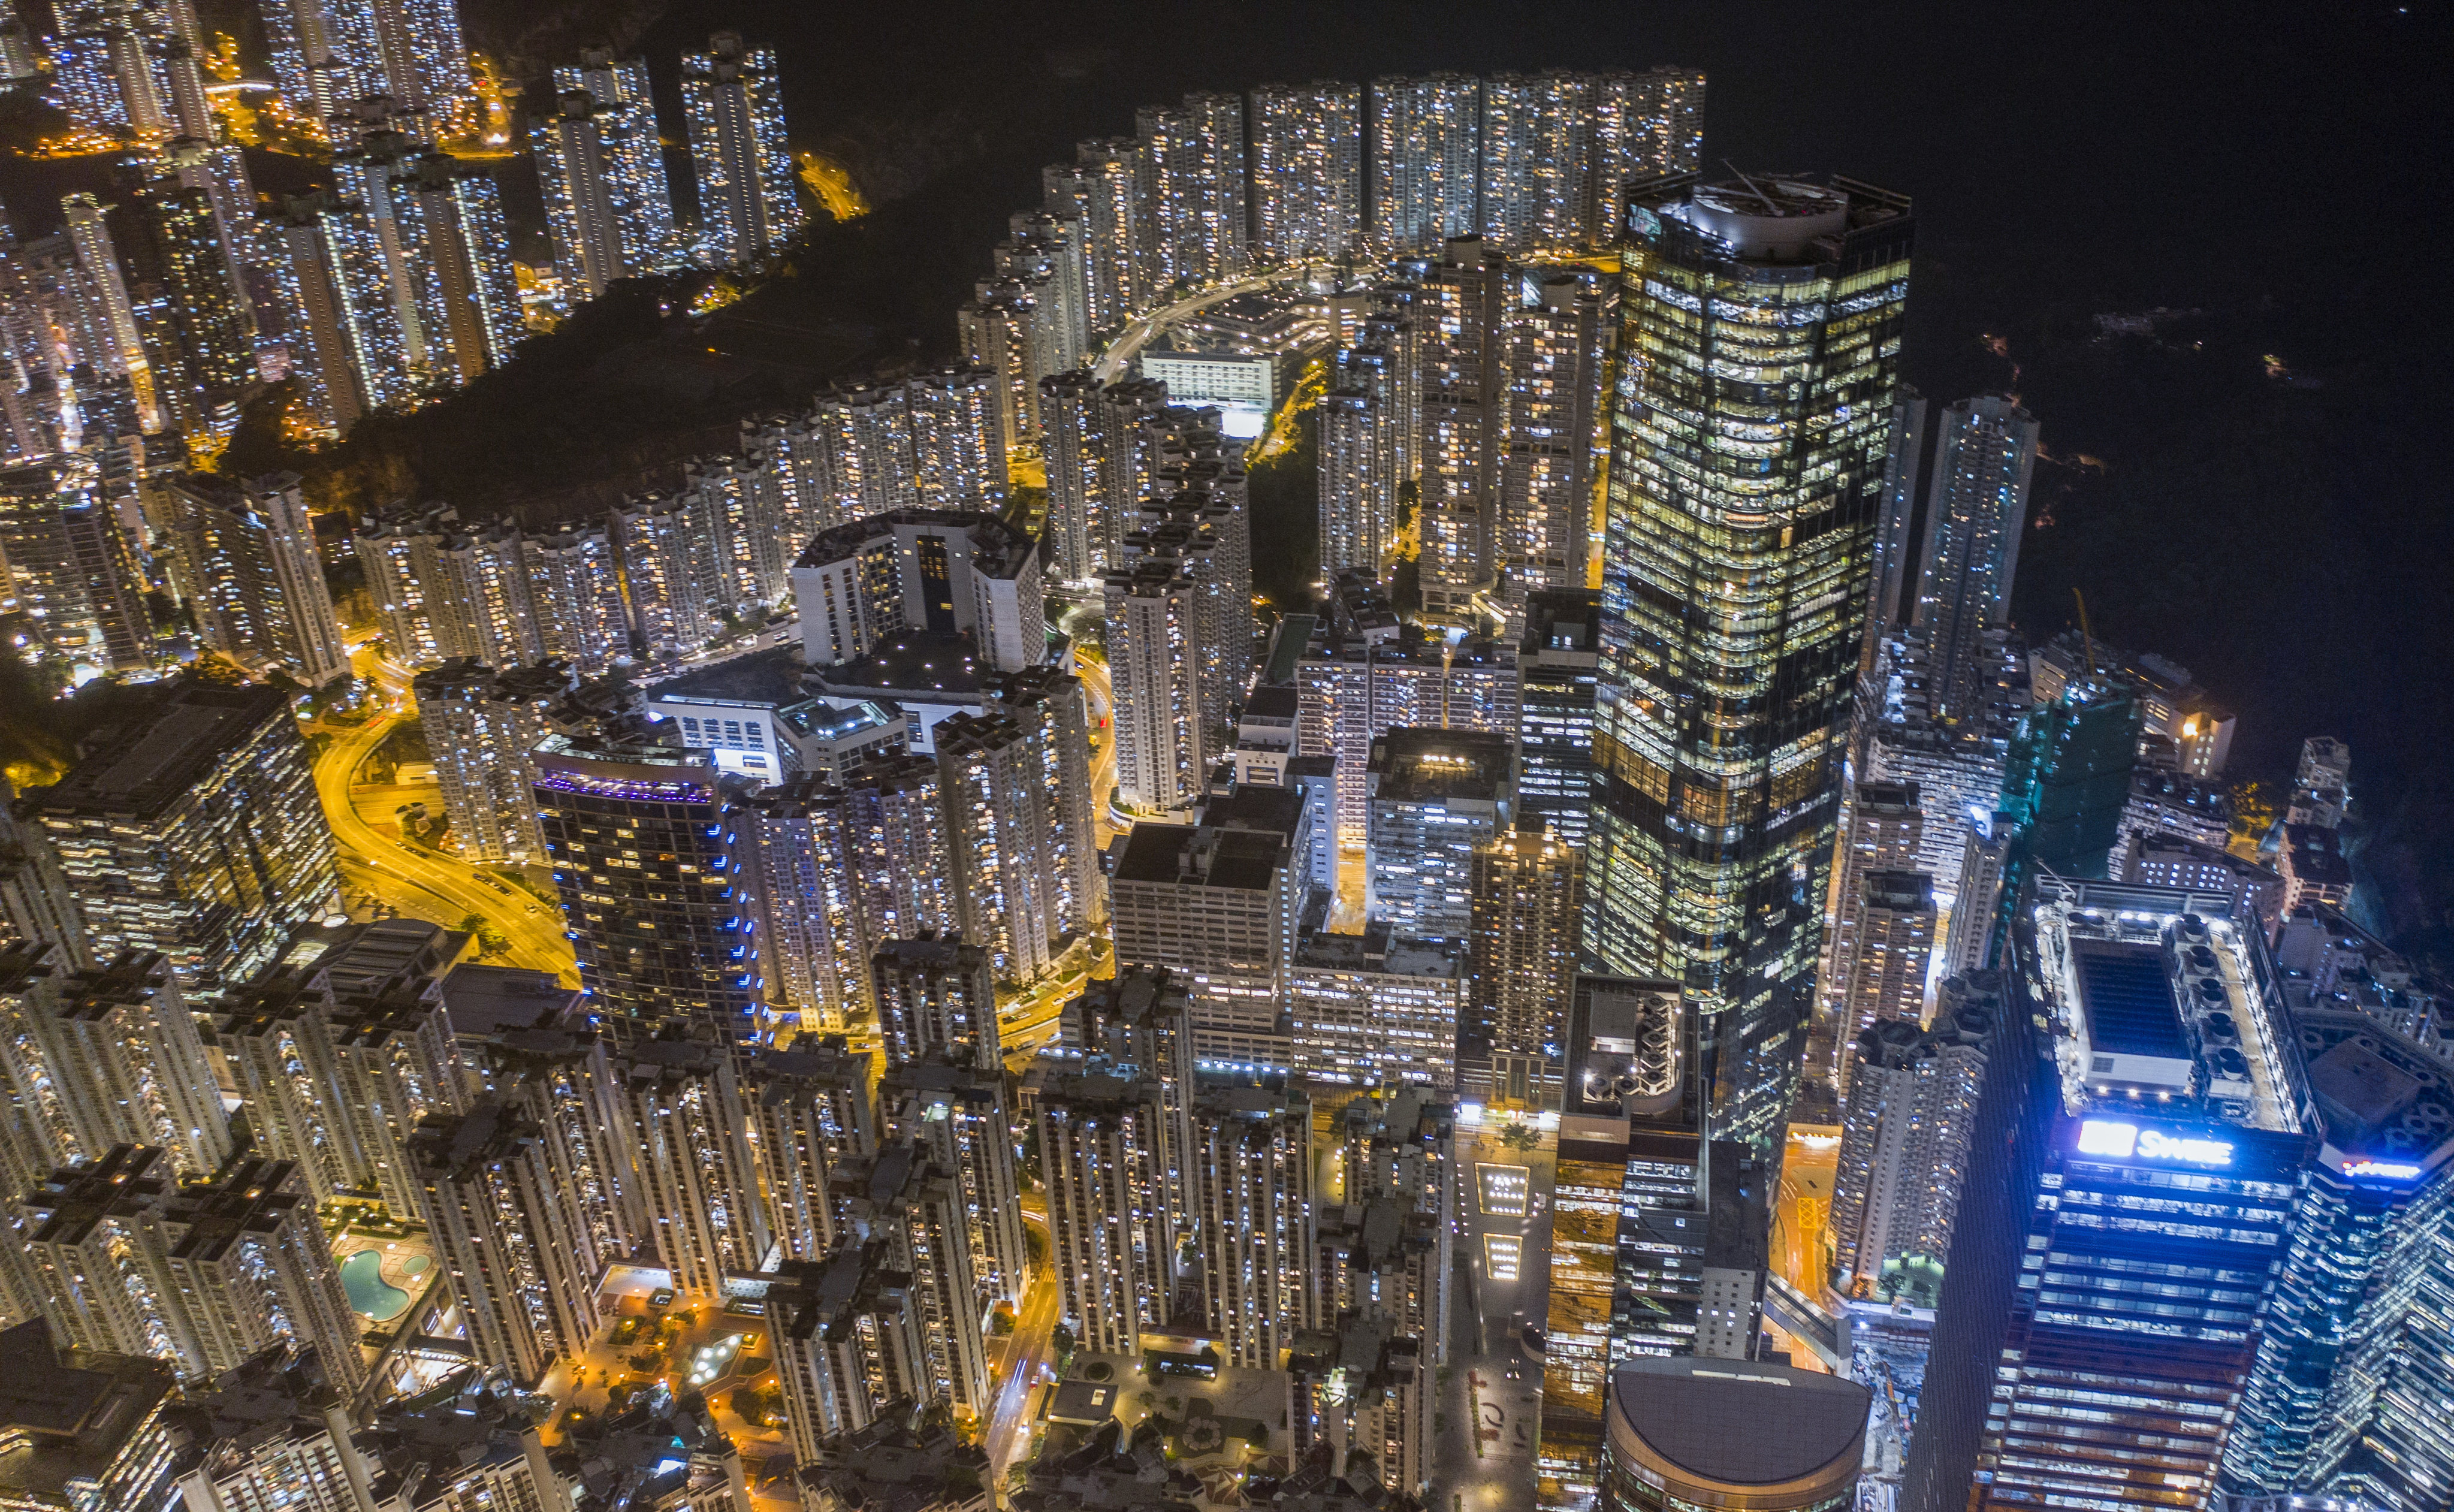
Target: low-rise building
{"x":1370,"y":1009}
{"x":2161,"y":858}
{"x":1433,"y":796}
{"x":761,"y":716}
{"x":907,"y":1461}
{"x":2314,"y":866}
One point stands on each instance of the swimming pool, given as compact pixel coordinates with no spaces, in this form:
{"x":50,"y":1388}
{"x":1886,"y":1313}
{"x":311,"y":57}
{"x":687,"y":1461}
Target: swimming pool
{"x":371,"y":1296}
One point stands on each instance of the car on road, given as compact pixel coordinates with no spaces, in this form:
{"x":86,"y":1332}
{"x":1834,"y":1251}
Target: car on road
{"x":1516,"y":1370}
{"x":1533,"y":1340}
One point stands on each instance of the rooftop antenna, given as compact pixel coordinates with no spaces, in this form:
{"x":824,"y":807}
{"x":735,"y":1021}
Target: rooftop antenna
{"x":2086,"y":641}
{"x":1751,"y":186}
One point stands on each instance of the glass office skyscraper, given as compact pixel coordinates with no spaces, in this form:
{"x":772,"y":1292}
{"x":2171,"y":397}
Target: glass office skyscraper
{"x":2356,"y":1355}
{"x":1759,"y":356}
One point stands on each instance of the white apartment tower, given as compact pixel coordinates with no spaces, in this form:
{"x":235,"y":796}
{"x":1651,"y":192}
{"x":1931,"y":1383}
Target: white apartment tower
{"x":902,"y":1196}
{"x":1249,"y":1200}
{"x":1154,"y":665}
{"x":109,"y":1056}
{"x":748,"y":202}
{"x":1307,"y":172}
{"x":1536,"y":140}
{"x":1907,"y":1128}
{"x":504,"y":1208}
{"x":1102,"y":1148}
{"x":674,"y":1109}
{"x":1553,"y":353}
{"x":1976,"y":510}
{"x":1426,"y":159}
{"x":809,"y":1111}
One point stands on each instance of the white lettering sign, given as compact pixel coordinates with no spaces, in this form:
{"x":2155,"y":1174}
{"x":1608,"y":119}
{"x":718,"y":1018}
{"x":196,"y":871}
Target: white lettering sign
{"x":2121,"y":1141}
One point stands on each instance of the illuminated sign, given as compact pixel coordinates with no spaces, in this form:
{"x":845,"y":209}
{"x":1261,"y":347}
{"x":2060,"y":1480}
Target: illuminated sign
{"x":2381,"y":1170}
{"x":2116,"y":1140}
{"x":2121,"y":1141}
{"x":2156,"y":1146}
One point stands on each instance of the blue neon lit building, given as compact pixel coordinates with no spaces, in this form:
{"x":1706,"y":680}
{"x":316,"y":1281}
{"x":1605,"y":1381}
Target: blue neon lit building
{"x":2354,"y":1379}
{"x":2137,"y":1176}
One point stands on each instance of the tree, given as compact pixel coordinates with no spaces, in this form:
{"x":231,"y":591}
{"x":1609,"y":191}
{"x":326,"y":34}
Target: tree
{"x":2253,"y":812}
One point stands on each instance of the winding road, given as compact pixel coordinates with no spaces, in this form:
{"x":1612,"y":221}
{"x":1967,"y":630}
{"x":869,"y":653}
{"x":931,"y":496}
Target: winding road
{"x":415,"y":881}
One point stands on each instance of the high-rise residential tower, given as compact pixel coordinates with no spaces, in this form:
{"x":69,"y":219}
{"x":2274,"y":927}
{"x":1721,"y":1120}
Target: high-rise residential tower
{"x":680,"y":1132}
{"x":1426,"y":153}
{"x":1307,"y":172}
{"x":470,"y":281}
{"x":1906,"y":1125}
{"x":1247,"y":1175}
{"x":70,"y":568}
{"x":425,"y":61}
{"x":1643,"y":125}
{"x":480,"y":727}
{"x":347,"y":345}
{"x":1882,"y":831}
{"x":1528,"y":902}
{"x":1213,"y":238}
{"x":809,"y":1113}
{"x":324,"y":58}
{"x":1734,"y":596}
{"x":936,"y":999}
{"x":1103,"y":1145}
{"x":245,"y":561}
{"x":1462,"y":306}
{"x":575,"y":149}
{"x":963,"y":1116}
{"x":748,"y":201}
{"x":914,"y":1203}
{"x":1434,"y":796}
{"x":1551,"y":358}
{"x":633,"y":154}
{"x":116,"y":1059}
{"x":1975,"y":515}
{"x":636,"y":834}
{"x":1536,"y":141}
{"x":1155,"y":661}
{"x":197,"y":834}
{"x":1557,"y":666}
